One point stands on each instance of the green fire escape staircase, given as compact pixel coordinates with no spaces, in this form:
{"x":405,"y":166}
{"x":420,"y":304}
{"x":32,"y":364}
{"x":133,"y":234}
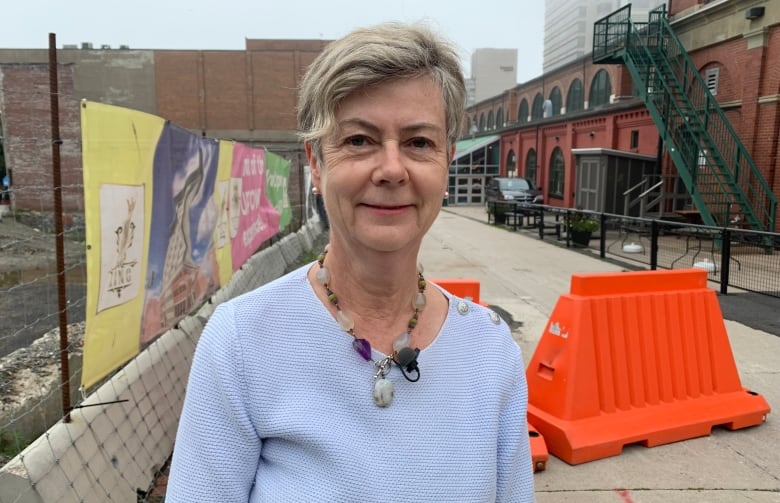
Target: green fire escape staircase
{"x":721,"y":177}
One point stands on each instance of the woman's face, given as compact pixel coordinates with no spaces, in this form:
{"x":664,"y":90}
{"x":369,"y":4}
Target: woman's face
{"x":384,"y":169}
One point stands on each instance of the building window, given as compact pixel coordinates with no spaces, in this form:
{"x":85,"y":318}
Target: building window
{"x":522,"y":112}
{"x":536,"y":110}
{"x":600,"y":89}
{"x":511,"y":162}
{"x":575,"y":97}
{"x":500,"y":117}
{"x":557,"y":100}
{"x":557,"y":168}
{"x":530,"y":166}
{"x":711,"y":79}
{"x":634,"y":138}
{"x":482,"y":121}
{"x":490,"y":123}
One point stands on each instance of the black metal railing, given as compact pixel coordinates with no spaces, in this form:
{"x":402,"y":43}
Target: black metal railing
{"x":733,"y":256}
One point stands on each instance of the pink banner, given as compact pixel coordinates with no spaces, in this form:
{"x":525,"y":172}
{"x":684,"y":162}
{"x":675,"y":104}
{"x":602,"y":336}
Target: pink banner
{"x":257,"y":219}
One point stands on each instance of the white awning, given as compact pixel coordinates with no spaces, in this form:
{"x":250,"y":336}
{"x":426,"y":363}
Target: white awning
{"x":466,"y":147}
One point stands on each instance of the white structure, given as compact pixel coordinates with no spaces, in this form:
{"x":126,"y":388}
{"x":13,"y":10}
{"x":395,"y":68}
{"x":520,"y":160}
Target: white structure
{"x":568,"y":26}
{"x":493,"y":71}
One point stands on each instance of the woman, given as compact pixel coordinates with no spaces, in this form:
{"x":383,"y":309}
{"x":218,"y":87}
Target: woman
{"x":351,"y":379}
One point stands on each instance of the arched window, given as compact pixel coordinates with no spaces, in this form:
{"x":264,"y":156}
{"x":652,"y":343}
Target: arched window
{"x":536,"y":109}
{"x":575,"y":97}
{"x":522,"y":112}
{"x":490,"y":123}
{"x":482,"y":121}
{"x":711,"y":76}
{"x":500,"y":117}
{"x":511,"y":162}
{"x":557,"y":101}
{"x":557,"y":170}
{"x":530,"y":166}
{"x":600,"y":89}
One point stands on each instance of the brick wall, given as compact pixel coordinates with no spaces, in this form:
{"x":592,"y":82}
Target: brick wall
{"x":28,"y":136}
{"x":562,"y":78}
{"x":749,"y":88}
{"x":680,"y":6}
{"x":229,"y":90}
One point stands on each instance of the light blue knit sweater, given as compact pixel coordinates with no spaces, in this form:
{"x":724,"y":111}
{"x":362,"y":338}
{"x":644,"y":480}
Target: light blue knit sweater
{"x":279,"y":408}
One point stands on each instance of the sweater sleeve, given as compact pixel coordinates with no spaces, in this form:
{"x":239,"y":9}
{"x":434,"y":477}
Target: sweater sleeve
{"x":217,"y":449}
{"x":515,"y":481}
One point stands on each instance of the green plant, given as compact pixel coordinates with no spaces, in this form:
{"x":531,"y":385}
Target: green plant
{"x":11,"y":443}
{"x":498,"y":209}
{"x":583,"y":222}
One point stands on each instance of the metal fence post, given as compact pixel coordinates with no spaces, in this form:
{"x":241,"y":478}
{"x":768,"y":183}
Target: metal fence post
{"x":654,"y":245}
{"x":603,"y":235}
{"x":725,"y":261}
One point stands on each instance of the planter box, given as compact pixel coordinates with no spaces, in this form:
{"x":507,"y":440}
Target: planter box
{"x":581,"y":238}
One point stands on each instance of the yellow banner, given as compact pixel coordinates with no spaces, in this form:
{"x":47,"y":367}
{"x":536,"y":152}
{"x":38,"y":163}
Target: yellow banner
{"x":169,"y":216}
{"x":118,"y":149}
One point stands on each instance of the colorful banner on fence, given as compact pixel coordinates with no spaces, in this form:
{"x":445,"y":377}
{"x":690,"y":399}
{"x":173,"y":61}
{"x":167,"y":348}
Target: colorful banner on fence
{"x":169,"y":217}
{"x":256,"y":217}
{"x":278,"y":176}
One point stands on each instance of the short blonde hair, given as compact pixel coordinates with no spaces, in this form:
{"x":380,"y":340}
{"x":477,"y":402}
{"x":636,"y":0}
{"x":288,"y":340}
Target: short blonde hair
{"x":371,"y":55}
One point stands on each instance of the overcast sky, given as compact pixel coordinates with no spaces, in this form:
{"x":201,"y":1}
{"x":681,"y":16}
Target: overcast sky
{"x":196,"y":24}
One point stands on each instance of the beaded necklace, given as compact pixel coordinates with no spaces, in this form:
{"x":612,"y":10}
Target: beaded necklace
{"x":403,"y":355}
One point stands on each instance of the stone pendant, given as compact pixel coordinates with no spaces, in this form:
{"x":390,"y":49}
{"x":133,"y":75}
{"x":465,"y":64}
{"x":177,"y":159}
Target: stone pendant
{"x":383,"y":392}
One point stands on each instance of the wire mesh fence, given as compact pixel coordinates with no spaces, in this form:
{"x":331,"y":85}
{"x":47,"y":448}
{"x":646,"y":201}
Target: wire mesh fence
{"x":120,"y":434}
{"x":31,"y":383}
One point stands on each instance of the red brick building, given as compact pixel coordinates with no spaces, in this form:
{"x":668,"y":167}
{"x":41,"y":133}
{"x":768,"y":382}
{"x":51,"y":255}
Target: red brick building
{"x":593,"y":109}
{"x":583,"y":118}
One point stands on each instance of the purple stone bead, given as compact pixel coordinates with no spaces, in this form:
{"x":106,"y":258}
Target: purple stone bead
{"x":363,"y":348}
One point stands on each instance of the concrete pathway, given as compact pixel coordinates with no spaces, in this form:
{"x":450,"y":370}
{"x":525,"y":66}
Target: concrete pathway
{"x":524,"y":277}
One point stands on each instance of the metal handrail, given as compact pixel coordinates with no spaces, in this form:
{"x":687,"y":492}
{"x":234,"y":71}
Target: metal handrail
{"x":632,"y":189}
{"x":648,"y":191}
{"x":627,"y":203}
{"x":641,"y":198}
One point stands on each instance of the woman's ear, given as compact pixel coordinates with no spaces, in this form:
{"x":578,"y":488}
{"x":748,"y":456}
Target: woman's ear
{"x":314,"y":165}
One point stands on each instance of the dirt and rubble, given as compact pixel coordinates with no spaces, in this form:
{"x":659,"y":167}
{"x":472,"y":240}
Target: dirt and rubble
{"x":29,"y":303}
{"x":29,"y":310}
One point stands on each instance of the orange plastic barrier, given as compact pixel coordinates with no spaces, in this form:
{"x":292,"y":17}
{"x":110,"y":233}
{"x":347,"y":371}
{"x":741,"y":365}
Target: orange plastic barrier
{"x":539,"y":454}
{"x":635,"y":357}
{"x":464,"y":288}
{"x":461,"y":287}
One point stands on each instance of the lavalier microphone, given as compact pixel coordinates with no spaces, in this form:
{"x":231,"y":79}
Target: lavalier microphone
{"x":406,"y":358}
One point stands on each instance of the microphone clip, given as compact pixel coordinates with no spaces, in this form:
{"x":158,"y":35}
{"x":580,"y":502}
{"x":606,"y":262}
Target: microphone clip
{"x":406,"y":359}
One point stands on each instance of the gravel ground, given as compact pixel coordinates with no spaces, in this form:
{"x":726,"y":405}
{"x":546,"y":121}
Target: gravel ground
{"x":29,"y":333}
{"x":28,"y":280}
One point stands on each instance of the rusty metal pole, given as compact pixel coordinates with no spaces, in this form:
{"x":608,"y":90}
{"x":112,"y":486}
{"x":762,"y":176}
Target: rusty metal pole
{"x":62,"y":301}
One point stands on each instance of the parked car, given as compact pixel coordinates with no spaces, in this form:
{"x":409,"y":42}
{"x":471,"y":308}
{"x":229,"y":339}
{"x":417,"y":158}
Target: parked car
{"x":520,"y":190}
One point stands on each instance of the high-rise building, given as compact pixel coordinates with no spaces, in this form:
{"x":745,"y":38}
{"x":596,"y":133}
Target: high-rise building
{"x":568,"y":26}
{"x":493,"y":71}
